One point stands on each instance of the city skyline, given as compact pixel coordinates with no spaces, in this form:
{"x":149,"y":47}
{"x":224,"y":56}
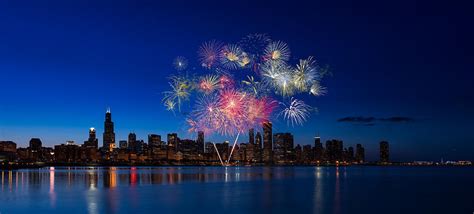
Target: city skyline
{"x":60,"y":79}
{"x":268,"y":142}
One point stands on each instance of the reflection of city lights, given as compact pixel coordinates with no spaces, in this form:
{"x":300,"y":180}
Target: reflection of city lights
{"x":113,"y":177}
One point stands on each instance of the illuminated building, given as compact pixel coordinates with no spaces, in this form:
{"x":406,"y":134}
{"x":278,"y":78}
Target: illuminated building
{"x":92,"y":142}
{"x":123,"y":144}
{"x":283,"y":150}
{"x":384,"y":152}
{"x":35,"y":149}
{"x":318,"y":149}
{"x":67,"y":153}
{"x":109,"y":134}
{"x":173,"y":141}
{"x":267,"y":143}
{"x":7,"y":150}
{"x":154,"y":140}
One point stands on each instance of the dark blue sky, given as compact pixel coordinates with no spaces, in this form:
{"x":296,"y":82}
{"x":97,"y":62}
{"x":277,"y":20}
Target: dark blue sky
{"x":63,"y":62}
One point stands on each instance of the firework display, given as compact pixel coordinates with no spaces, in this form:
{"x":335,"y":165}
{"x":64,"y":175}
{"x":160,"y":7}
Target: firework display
{"x":243,"y":84}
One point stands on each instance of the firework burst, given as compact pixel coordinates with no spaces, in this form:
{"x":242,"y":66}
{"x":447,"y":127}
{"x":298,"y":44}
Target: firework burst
{"x":209,"y":53}
{"x":317,"y":89}
{"x":180,"y":63}
{"x":229,"y":103}
{"x":231,"y":57}
{"x":180,"y":91}
{"x":277,"y":51}
{"x":254,"y":45}
{"x":296,"y":112}
{"x":278,"y":75}
{"x":209,"y":84}
{"x":305,"y":74}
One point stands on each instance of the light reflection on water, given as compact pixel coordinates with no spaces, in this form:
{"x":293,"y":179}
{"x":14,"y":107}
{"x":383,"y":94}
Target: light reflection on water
{"x":213,"y":189}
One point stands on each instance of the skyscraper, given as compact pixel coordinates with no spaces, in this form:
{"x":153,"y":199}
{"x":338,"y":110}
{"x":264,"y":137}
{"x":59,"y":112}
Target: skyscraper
{"x":360,"y":153}
{"x":384,"y":152}
{"x":109,"y":134}
{"x":318,"y":149}
{"x":92,"y":142}
{"x":267,"y":142}
{"x":258,"y":147}
{"x":251,"y":136}
{"x":200,"y":141}
{"x":283,"y":147}
{"x":154,"y":140}
{"x":132,"y":142}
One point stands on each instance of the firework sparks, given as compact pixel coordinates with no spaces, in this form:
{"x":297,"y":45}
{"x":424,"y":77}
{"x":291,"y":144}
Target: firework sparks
{"x":180,"y":91}
{"x":254,"y":45}
{"x":231,"y":57}
{"x":317,"y":89}
{"x":209,"y":53}
{"x":208,"y":84}
{"x":279,"y":75}
{"x":305,"y":74}
{"x":297,"y":112}
{"x":277,"y":52}
{"x":180,"y":63}
{"x":170,"y":105}
{"x":228,"y":105}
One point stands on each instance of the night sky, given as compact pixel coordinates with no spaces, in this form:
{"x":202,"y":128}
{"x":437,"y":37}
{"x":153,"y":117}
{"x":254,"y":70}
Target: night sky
{"x":402,"y":70}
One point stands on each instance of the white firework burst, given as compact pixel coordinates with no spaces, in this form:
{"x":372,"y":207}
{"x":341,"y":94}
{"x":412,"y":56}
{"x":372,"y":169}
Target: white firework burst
{"x":279,"y":76}
{"x":297,"y":112}
{"x":317,"y":89}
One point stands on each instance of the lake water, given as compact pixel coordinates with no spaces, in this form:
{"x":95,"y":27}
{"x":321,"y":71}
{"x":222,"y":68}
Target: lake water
{"x":239,"y":190}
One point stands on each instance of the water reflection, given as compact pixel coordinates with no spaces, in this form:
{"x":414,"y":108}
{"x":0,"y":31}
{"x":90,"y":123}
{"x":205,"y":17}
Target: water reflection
{"x":111,"y":189}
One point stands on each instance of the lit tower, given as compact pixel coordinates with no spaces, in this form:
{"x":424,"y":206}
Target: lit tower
{"x":92,"y":142}
{"x":109,"y":134}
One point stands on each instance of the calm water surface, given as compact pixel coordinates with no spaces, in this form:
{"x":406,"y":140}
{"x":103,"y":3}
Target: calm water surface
{"x":238,"y":190}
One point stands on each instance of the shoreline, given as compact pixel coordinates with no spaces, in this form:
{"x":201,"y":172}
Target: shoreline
{"x":39,"y":166}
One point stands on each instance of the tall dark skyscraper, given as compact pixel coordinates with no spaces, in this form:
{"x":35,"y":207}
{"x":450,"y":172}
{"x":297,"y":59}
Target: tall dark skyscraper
{"x":200,"y":141}
{"x":132,"y":142}
{"x":92,"y":142}
{"x":109,"y":134}
{"x":318,"y":149}
{"x":384,"y":152}
{"x":360,"y":153}
{"x":283,"y":146}
{"x":258,"y":147}
{"x":267,"y":142}
{"x":251,"y":136}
